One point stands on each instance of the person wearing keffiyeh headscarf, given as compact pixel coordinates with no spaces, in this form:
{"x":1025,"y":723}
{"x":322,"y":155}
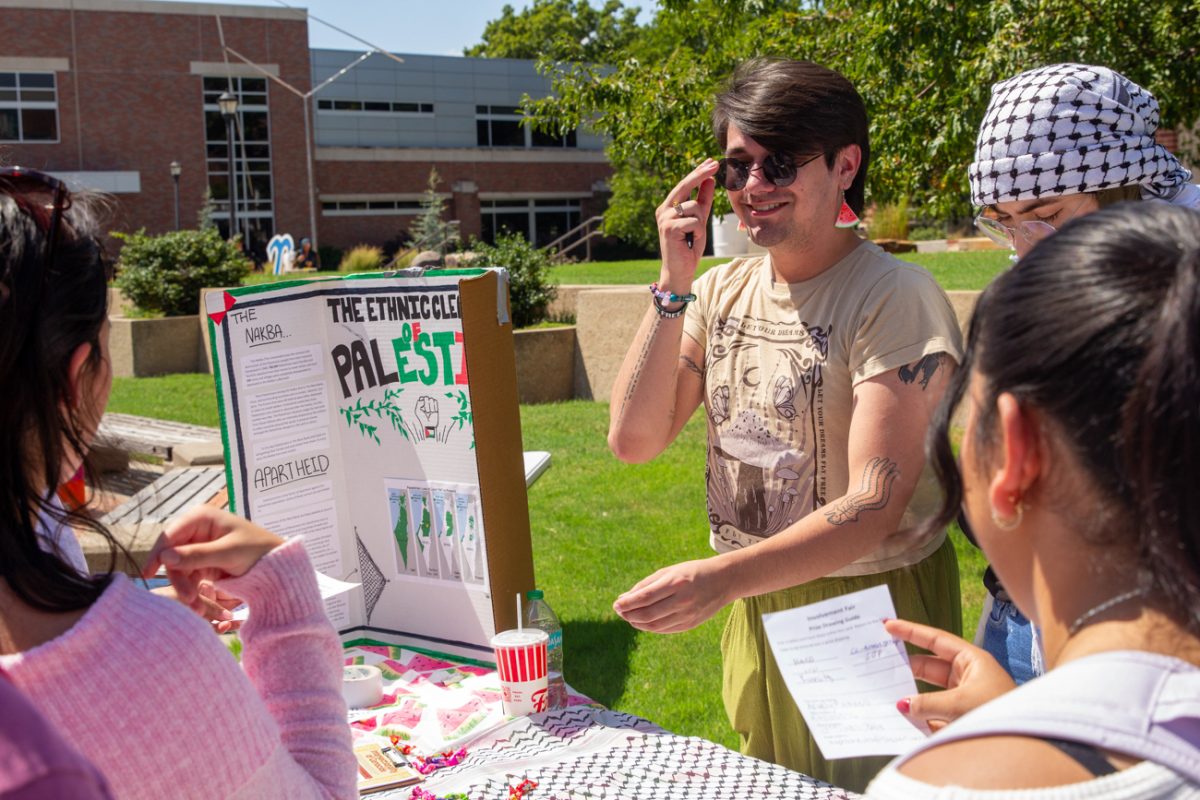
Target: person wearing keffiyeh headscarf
{"x":1062,"y":141}
{"x":1059,"y":142}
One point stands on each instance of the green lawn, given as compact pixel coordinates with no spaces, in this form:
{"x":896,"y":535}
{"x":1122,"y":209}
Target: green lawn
{"x":954,"y":271}
{"x":598,"y":527}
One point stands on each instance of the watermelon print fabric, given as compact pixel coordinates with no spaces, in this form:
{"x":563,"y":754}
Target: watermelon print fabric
{"x":432,"y":702}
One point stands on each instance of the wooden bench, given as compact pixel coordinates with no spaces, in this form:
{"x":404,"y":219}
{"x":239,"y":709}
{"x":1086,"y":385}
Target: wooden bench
{"x":139,"y":520}
{"x":154,"y":437}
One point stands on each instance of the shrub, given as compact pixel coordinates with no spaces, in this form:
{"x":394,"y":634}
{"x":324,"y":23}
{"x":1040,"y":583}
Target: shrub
{"x":429,"y":231}
{"x":364,"y":258}
{"x":890,"y":221}
{"x":164,"y":274}
{"x":924,"y":233}
{"x":529,"y":287}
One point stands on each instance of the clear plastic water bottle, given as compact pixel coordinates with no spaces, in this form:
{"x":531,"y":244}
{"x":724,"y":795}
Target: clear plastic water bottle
{"x":538,"y":614}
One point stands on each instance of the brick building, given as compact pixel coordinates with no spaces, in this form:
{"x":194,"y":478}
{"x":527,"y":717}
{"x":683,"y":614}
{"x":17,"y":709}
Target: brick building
{"x":108,"y":93}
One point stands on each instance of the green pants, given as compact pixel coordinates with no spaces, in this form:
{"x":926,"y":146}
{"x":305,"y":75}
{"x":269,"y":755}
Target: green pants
{"x":757,"y":700}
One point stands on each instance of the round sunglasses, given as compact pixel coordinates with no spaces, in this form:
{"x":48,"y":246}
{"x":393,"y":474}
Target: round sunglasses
{"x":777,"y":168}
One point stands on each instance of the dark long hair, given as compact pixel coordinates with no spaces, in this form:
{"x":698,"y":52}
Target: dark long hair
{"x":796,"y":108}
{"x":51,"y":301}
{"x":1098,"y":328}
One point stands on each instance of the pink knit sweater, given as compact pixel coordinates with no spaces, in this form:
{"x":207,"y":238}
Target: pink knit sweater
{"x":151,"y":696}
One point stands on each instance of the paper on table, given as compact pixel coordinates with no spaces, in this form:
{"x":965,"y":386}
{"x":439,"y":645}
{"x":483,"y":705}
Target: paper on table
{"x":329,"y":587}
{"x":846,"y":673}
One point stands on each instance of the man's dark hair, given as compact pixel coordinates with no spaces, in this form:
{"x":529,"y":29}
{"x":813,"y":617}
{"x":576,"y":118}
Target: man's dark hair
{"x":796,"y":108}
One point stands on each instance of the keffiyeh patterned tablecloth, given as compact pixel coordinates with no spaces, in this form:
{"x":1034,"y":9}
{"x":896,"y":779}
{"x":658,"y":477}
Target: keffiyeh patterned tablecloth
{"x":583,"y":752}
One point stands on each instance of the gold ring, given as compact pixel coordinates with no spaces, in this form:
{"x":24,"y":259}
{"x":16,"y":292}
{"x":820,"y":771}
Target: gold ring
{"x":678,"y":209}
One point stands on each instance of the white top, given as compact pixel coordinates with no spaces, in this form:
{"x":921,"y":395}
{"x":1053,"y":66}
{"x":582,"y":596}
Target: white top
{"x":1145,"y":781}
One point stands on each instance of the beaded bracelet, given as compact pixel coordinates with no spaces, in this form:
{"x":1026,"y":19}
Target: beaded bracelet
{"x":664,"y":313}
{"x":670,"y":297}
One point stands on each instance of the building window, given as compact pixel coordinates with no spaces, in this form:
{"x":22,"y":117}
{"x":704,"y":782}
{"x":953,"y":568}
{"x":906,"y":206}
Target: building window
{"x":500,"y":126}
{"x":369,"y":207}
{"x":374,"y":107}
{"x":539,"y":221}
{"x":252,"y":151}
{"x":28,"y":107}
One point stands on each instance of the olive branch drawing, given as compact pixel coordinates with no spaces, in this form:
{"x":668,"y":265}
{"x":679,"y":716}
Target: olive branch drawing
{"x":386,"y":409}
{"x":464,"y":416}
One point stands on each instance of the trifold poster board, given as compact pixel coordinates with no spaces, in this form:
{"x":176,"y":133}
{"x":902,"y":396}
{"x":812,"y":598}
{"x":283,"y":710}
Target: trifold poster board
{"x":376,"y":416}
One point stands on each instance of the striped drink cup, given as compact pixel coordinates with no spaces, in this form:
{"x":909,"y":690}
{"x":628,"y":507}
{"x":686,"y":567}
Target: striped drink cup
{"x":521,"y":662}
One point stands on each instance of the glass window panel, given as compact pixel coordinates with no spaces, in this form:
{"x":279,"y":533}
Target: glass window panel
{"x":39,"y":124}
{"x":214,"y":127}
{"x":325,"y":104}
{"x":507,"y":134}
{"x":549,"y":225}
{"x":255,"y":127}
{"x":481,"y":109}
{"x":257,"y":150}
{"x":8,"y":94}
{"x":260,"y":185}
{"x":347,"y":105}
{"x":216,"y":85}
{"x":217,"y":151}
{"x":37,"y":95}
{"x":254,"y":85}
{"x":352,"y":205}
{"x":571,"y":139}
{"x":556,"y":204}
{"x":513,"y":223}
{"x":9,"y":131}
{"x":328,"y":206}
{"x":406,"y":108}
{"x":408,"y":204}
{"x":381,"y":204}
{"x":8,"y":79}
{"x":37,"y":80}
{"x":426,"y":108}
{"x":510,"y":110}
{"x":374,"y":105}
{"x":254,"y":99}
{"x":482,"y":133}
{"x":543,"y":139}
{"x":218,"y":185}
{"x":258,"y":166}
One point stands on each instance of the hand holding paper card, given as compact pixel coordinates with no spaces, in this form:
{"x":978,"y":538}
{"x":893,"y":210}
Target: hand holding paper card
{"x":846,"y":673}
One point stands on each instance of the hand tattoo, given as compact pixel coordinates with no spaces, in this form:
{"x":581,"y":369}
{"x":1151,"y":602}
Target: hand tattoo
{"x":873,"y":493}
{"x":925,"y":368}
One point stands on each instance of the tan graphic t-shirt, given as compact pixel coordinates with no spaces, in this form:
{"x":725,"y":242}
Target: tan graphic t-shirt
{"x":780,"y":365}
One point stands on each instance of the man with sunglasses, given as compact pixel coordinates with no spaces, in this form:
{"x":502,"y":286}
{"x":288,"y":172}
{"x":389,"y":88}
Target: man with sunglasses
{"x":819,"y":366}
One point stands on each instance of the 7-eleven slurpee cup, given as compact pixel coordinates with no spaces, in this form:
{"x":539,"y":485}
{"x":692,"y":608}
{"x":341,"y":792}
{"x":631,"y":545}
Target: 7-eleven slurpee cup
{"x":521,"y":662}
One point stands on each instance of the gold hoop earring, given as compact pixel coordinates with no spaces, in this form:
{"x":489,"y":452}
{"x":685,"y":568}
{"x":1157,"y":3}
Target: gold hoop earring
{"x":1012,"y":523}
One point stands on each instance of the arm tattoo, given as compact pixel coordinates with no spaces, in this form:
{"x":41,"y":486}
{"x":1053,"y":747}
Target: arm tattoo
{"x":642,"y":358}
{"x":690,"y":364}
{"x":873,"y":493}
{"x":923,"y":369}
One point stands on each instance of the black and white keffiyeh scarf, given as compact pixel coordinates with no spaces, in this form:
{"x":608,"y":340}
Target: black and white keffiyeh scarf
{"x":1070,"y":128}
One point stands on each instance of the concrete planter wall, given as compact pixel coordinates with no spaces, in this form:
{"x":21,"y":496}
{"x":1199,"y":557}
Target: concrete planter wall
{"x":144,"y":347}
{"x":545,"y":364}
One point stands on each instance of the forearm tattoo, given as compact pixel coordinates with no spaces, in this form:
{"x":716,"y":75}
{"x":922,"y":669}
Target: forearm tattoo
{"x":639,"y":365}
{"x":690,"y":364}
{"x":923,"y":369}
{"x":873,"y":493}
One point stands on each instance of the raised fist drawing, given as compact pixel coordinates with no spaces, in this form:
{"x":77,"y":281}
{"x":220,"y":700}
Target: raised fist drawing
{"x":427,"y":413}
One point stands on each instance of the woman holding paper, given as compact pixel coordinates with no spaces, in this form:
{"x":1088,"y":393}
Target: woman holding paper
{"x":137,"y":683}
{"x":1079,"y":465}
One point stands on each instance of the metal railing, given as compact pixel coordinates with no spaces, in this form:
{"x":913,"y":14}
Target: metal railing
{"x":559,"y":253}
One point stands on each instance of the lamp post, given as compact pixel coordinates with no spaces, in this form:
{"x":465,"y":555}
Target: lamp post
{"x":176,"y":170}
{"x":228,"y":104}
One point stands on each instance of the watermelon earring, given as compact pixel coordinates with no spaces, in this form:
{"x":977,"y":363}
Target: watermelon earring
{"x":846,"y":217}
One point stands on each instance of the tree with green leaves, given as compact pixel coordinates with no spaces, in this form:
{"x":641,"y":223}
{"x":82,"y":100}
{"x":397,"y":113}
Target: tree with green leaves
{"x":924,"y":70}
{"x":560,"y":30}
{"x":430,"y":231}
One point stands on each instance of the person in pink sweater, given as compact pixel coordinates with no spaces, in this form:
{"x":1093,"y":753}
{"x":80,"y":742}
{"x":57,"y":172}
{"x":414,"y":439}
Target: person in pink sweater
{"x":139,"y":684}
